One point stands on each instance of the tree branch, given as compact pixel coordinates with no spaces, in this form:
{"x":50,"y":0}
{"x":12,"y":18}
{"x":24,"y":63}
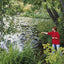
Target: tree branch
{"x":53,"y":14}
{"x":62,"y":3}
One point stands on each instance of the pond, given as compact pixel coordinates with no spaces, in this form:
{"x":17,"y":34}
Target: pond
{"x":21,"y":30}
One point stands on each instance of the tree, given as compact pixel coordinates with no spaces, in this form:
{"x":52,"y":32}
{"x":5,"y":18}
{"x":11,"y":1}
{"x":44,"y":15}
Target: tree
{"x":52,"y":7}
{"x":55,"y":9}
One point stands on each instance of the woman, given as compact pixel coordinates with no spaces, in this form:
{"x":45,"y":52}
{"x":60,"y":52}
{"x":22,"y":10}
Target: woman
{"x":55,"y":37}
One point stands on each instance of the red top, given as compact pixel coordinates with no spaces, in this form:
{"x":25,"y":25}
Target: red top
{"x":55,"y":34}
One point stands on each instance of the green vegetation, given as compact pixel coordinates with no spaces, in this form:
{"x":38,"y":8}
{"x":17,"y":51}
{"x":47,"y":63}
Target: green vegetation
{"x":51,"y":11}
{"x":45,"y":26}
{"x":36,"y":15}
{"x":51,"y":58}
{"x":28,"y":56}
{"x":13,"y":56}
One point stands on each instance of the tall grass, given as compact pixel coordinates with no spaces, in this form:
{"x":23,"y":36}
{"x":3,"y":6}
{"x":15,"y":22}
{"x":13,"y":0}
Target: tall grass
{"x":14,"y":56}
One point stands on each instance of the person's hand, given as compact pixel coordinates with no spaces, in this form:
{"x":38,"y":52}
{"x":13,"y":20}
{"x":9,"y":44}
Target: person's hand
{"x":41,"y":32}
{"x":44,"y":32}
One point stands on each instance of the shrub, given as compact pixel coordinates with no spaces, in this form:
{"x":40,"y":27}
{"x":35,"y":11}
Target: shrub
{"x":60,"y":30}
{"x":53,"y":58}
{"x":27,"y":8}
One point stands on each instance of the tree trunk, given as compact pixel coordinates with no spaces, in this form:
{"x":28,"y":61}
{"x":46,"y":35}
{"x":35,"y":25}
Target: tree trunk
{"x":54,"y":15}
{"x":62,"y":4}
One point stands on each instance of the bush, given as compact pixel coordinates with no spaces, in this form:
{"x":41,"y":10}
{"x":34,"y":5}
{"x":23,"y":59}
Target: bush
{"x":53,"y":58}
{"x":27,"y":7}
{"x":35,"y":14}
{"x":60,"y":30}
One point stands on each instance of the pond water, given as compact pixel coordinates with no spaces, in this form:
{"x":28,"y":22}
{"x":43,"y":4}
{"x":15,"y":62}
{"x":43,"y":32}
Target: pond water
{"x":24,"y":27}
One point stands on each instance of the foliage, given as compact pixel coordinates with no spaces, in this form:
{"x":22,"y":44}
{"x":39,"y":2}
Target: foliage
{"x":45,"y":26}
{"x":36,"y":4}
{"x":13,"y":56}
{"x":53,"y":58}
{"x":27,"y":7}
{"x":60,"y":30}
{"x":13,"y":7}
{"x":36,"y":15}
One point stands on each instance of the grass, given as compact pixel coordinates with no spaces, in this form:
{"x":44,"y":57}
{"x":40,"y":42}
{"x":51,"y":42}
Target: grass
{"x":16,"y":57}
{"x":28,"y":56}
